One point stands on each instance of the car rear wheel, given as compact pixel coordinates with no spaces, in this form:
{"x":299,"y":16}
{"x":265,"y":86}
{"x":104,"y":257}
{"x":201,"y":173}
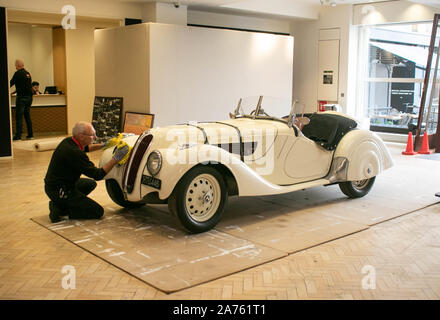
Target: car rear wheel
{"x":357,"y":189}
{"x":199,"y":199}
{"x":115,"y":193}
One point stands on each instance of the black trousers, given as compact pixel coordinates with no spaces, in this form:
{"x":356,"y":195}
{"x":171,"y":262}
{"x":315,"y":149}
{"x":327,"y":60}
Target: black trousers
{"x":75,"y":202}
{"x":23,"y":108}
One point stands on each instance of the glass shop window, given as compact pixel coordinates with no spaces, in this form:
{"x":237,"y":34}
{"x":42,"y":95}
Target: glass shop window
{"x":393,"y":73}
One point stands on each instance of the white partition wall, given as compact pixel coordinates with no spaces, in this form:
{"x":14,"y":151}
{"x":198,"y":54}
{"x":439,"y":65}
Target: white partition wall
{"x":193,"y":74}
{"x":121,"y":65}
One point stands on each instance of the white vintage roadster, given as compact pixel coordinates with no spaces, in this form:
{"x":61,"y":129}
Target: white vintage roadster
{"x":194,"y":167}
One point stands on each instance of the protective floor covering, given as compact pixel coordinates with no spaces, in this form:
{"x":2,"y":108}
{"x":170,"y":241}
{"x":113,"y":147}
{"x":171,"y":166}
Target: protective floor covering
{"x":152,"y":246}
{"x":298,"y":220}
{"x":43,"y":144}
{"x":433,"y":156}
{"x":282,"y":227}
{"x":149,"y":246}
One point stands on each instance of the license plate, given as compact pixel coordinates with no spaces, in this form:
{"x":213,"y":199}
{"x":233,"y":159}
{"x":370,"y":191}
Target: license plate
{"x":151,"y":181}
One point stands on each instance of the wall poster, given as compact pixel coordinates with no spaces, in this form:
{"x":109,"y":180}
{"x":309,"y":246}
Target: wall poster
{"x":106,"y":119}
{"x":137,"y":123}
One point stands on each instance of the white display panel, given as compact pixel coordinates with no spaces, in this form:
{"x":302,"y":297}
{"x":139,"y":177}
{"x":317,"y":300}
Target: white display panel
{"x":192,"y":74}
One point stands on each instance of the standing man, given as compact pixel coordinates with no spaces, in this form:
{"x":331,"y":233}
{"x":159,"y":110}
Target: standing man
{"x":23,"y":84}
{"x":66,"y":190}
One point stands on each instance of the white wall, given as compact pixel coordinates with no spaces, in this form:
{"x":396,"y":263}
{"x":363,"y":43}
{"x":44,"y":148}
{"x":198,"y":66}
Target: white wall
{"x":392,"y":12}
{"x":200,"y":74}
{"x":305,"y":64}
{"x":19,"y":46}
{"x":80,"y":63}
{"x":169,"y":13}
{"x":340,"y":17}
{"x":164,"y":13}
{"x":34,"y":46}
{"x":42,"y":56}
{"x":192,"y":73}
{"x":303,"y":9}
{"x":84,"y":8}
{"x":121,"y":65}
{"x":238,"y":22}
{"x":306,"y":35}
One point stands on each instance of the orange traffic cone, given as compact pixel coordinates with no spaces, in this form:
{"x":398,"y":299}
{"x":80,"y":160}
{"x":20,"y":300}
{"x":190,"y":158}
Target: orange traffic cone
{"x":425,"y":145}
{"x":409,"y":146}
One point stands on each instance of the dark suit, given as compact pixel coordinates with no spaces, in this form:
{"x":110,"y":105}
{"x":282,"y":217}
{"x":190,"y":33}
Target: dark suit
{"x":23,"y":83}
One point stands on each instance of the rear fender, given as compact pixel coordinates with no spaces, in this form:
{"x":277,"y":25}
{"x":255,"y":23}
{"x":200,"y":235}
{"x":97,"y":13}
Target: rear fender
{"x":366,"y":154}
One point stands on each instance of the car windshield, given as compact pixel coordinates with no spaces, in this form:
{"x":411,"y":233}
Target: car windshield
{"x":267,"y":106}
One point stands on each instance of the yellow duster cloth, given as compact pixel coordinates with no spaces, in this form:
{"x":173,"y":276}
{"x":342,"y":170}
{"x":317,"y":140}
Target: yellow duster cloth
{"x":119,"y":143}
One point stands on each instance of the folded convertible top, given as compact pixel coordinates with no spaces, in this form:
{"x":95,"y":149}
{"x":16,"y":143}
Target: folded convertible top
{"x":328,"y":129}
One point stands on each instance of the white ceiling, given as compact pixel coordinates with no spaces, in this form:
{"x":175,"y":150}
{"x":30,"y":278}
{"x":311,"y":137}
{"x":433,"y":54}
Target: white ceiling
{"x":306,"y":9}
{"x":218,"y":3}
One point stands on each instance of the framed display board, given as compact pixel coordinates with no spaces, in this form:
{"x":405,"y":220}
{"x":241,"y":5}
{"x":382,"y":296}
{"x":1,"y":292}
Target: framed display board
{"x":137,"y":123}
{"x":107,"y":116}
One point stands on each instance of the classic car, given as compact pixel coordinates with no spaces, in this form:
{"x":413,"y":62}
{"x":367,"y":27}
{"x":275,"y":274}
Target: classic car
{"x":195,"y":167}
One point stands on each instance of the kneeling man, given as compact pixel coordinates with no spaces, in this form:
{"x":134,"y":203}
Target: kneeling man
{"x":66,"y":190}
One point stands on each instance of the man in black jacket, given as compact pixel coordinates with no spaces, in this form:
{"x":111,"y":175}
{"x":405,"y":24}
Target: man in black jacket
{"x":23,"y":84}
{"x":64,"y":187}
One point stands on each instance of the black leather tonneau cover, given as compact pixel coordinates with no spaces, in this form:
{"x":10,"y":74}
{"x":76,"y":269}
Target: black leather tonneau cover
{"x":328,"y":129}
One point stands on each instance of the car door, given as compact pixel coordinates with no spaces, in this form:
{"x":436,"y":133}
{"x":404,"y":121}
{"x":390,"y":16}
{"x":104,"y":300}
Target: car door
{"x":306,"y":160}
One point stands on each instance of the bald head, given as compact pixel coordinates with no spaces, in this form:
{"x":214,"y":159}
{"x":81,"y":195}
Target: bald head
{"x":81,"y":127}
{"x":19,"y":64}
{"x":84,"y":133}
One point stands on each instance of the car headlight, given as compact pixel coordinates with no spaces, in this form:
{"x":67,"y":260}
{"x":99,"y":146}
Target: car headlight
{"x":154,"y":162}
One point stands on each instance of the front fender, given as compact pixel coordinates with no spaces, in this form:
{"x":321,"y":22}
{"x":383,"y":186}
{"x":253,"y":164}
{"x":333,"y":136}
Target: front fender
{"x":116,"y":171}
{"x":177,"y":162}
{"x":366,"y":153}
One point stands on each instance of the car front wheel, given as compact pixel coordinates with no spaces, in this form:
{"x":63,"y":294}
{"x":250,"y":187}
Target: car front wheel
{"x":357,"y":189}
{"x":199,"y":199}
{"x":115,"y":193}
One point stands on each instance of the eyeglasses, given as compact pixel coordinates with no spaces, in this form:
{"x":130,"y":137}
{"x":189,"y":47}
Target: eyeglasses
{"x":89,"y":135}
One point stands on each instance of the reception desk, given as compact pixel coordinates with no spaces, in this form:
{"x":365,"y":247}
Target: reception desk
{"x":48,"y":114}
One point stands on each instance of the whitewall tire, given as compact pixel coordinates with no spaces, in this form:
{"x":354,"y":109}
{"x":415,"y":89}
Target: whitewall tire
{"x":357,"y":189}
{"x":199,"y":199}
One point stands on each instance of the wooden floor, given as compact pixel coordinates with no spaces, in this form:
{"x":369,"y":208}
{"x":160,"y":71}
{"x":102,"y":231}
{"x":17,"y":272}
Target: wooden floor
{"x":396,"y":259}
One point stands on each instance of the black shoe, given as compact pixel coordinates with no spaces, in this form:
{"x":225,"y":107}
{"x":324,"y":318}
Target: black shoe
{"x":16,"y":138}
{"x":30,"y":137}
{"x":54,"y":214}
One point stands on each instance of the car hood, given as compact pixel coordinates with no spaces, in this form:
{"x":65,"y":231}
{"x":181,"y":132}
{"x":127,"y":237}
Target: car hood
{"x":221,"y":132}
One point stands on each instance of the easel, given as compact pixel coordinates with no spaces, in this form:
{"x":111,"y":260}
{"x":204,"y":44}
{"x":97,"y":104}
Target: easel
{"x":434,"y":139}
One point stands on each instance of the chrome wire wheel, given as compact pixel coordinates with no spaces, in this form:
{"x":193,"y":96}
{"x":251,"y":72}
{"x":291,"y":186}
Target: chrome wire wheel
{"x":360,"y":184}
{"x":357,"y":188}
{"x":202,"y":197}
{"x":199,"y":198}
